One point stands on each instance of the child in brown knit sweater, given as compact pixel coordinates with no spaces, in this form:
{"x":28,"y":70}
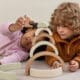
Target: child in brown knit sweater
{"x":65,"y":25}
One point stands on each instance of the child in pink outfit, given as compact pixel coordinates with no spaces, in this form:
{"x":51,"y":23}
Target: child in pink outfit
{"x":12,"y":42}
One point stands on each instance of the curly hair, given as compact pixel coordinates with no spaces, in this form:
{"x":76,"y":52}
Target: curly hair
{"x":68,"y":15}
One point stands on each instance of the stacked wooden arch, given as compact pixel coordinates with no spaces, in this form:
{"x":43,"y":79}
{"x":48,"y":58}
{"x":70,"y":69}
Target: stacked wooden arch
{"x":43,"y":73}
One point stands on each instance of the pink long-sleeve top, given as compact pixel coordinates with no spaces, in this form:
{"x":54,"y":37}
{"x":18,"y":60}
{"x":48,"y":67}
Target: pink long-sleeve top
{"x":10,"y":47}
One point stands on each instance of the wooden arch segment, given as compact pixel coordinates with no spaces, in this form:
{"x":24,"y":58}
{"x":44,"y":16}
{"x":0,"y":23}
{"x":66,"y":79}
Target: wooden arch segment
{"x":43,"y":35}
{"x":43,"y":43}
{"x":43,"y":29}
{"x":47,"y":73}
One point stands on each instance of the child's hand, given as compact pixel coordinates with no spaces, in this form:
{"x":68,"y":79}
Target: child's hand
{"x":73,"y":66}
{"x":23,"y":21}
{"x":20,"y":22}
{"x":56,"y":64}
{"x":27,"y":21}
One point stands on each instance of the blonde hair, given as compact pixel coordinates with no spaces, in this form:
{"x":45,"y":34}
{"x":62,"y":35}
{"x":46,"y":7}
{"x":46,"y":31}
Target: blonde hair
{"x":67,"y":15}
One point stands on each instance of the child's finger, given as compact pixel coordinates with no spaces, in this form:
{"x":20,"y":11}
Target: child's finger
{"x":20,"y":21}
{"x":72,"y":63}
{"x":26,"y":17}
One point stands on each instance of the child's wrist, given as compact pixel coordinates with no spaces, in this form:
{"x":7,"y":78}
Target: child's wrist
{"x":11,"y":28}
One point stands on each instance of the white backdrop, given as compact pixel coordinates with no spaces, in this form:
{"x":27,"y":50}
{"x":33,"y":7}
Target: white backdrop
{"x":38,"y":10}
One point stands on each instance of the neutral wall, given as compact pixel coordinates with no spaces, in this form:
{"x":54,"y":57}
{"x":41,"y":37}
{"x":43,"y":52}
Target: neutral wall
{"x":38,"y":10}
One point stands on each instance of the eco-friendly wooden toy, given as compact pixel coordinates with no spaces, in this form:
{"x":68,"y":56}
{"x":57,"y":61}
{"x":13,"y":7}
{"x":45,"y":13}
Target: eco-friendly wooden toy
{"x":46,"y":72}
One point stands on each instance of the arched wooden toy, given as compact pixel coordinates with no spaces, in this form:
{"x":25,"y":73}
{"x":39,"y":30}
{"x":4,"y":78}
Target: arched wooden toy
{"x":43,"y":29}
{"x":43,"y":43}
{"x":42,"y":36}
{"x":36,"y":43}
{"x":50,"y":43}
{"x":43,"y":73}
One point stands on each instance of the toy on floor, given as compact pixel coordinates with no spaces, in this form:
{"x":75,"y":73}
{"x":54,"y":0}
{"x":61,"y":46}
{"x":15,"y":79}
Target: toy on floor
{"x":46,"y":72}
{"x":5,"y":71}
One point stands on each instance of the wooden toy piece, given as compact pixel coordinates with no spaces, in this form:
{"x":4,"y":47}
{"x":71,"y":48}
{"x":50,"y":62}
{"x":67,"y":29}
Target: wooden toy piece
{"x":43,"y":73}
{"x":43,"y":29}
{"x":10,"y":66}
{"x":50,"y":43}
{"x":43,"y":43}
{"x":43,"y":25}
{"x":42,"y":35}
{"x":7,"y":76}
{"x":37,"y":43}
